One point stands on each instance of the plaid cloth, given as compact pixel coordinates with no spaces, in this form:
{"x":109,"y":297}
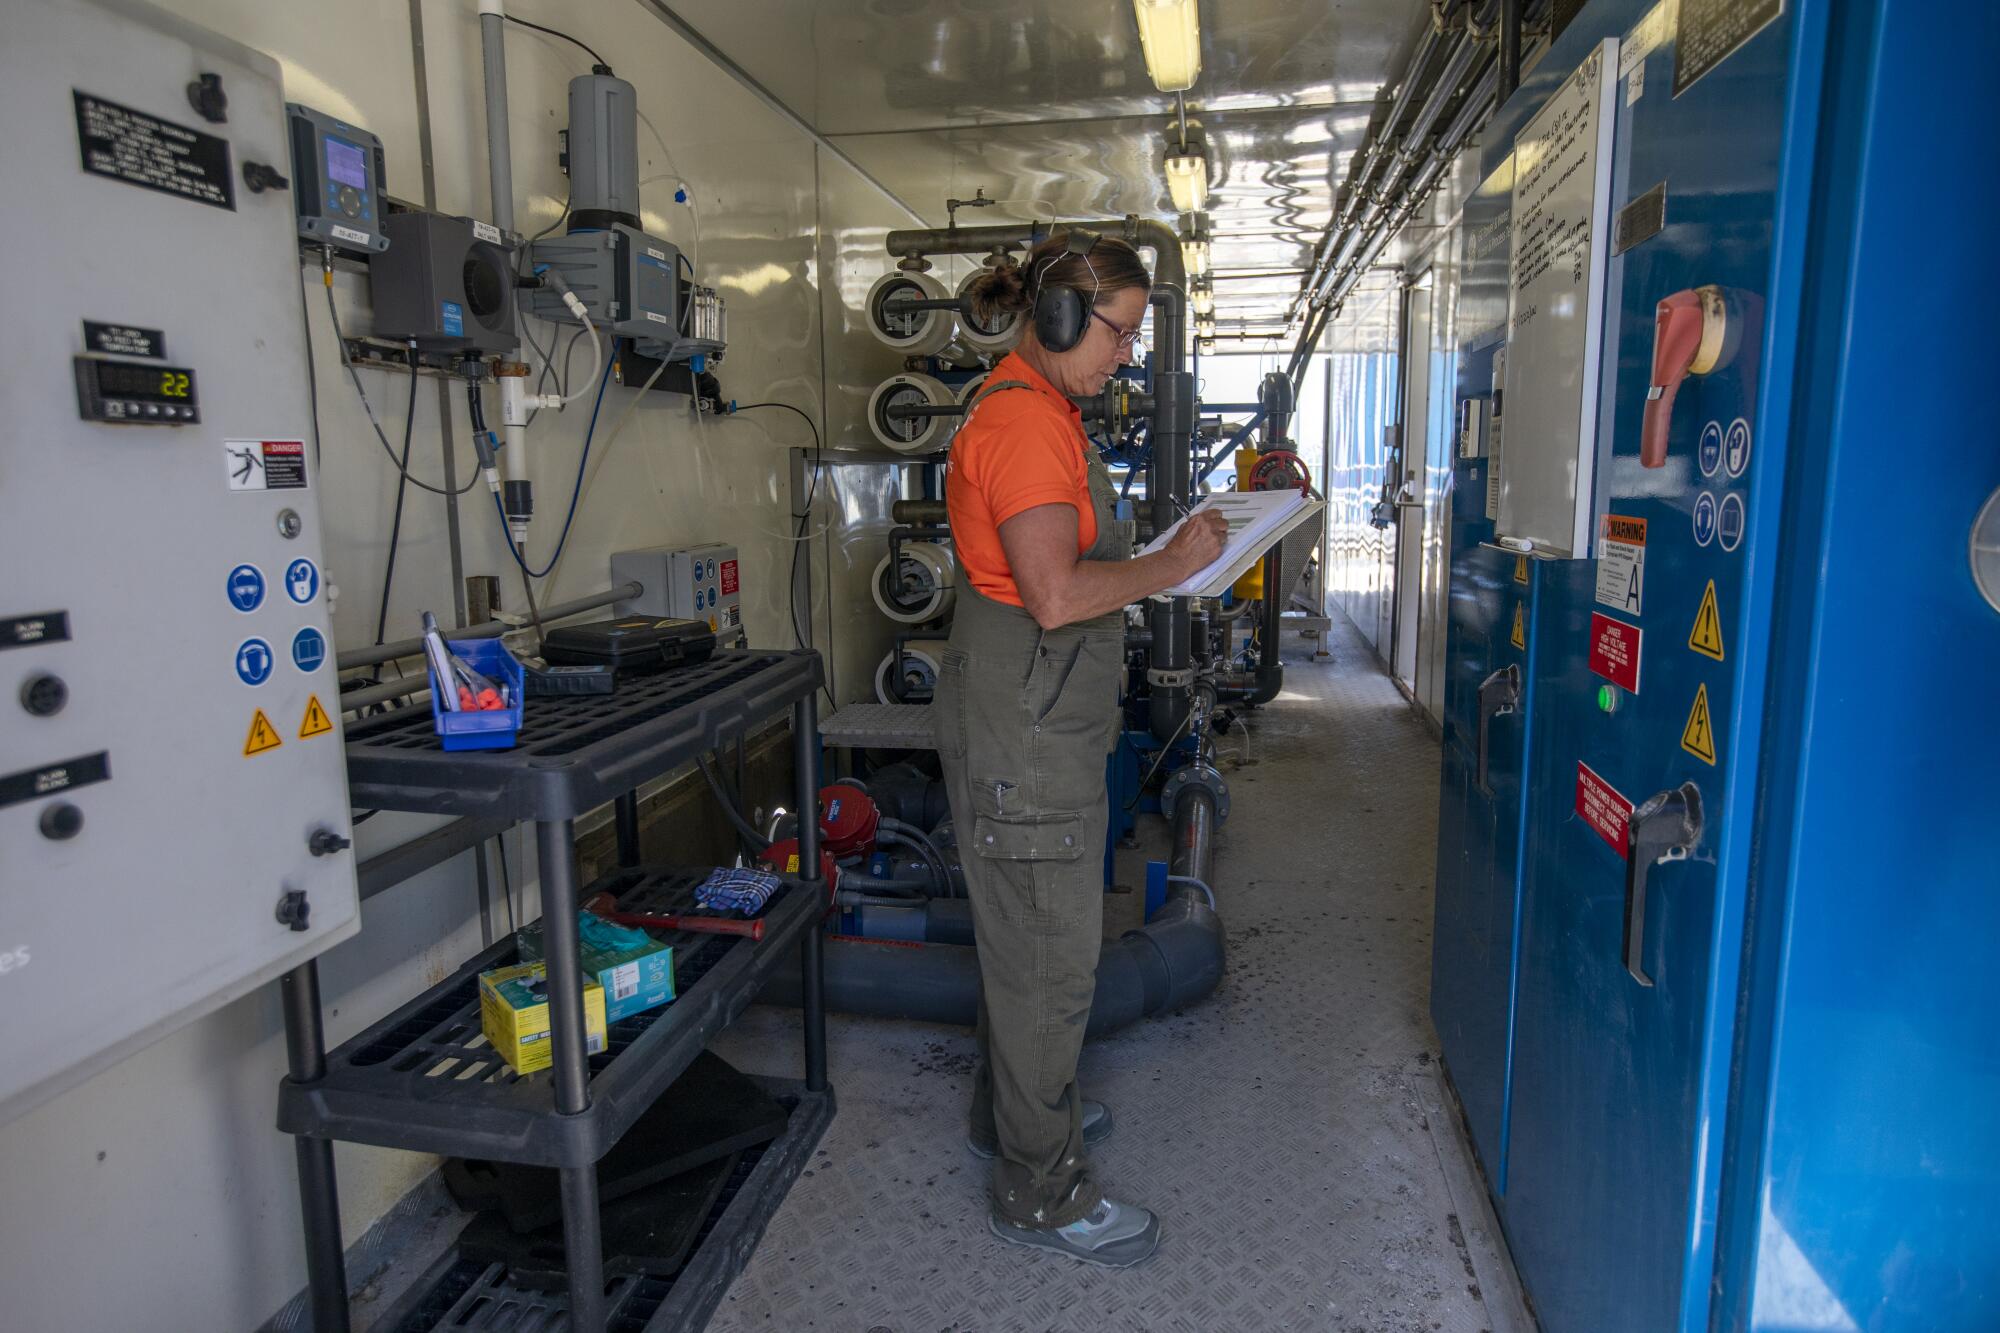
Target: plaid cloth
{"x":737,"y":889}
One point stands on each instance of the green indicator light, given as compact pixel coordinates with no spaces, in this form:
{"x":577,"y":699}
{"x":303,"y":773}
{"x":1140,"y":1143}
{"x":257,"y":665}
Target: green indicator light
{"x":1607,"y":698}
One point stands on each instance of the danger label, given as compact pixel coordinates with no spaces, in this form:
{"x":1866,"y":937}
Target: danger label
{"x":263,"y":736}
{"x":315,"y":722}
{"x":265,"y":465}
{"x":1698,"y":736}
{"x":1614,"y":651}
{"x":1706,"y":636}
{"x":1599,"y":805}
{"x":1519,"y":638}
{"x":1621,"y":563}
{"x":729,"y":581}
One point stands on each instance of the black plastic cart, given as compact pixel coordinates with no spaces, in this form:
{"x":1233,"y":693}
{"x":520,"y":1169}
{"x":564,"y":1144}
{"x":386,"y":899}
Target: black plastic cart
{"x":421,"y":1080}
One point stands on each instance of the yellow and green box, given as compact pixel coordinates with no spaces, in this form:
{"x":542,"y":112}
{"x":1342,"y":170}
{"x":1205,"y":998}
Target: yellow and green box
{"x":514,"y":1015}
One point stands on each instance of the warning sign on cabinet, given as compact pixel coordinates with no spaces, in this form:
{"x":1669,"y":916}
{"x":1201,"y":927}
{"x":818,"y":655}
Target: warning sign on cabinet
{"x":1706,"y":636}
{"x":1698,"y":736}
{"x":1614,"y":651}
{"x":1599,"y":805}
{"x":265,"y":465}
{"x":1621,"y":563}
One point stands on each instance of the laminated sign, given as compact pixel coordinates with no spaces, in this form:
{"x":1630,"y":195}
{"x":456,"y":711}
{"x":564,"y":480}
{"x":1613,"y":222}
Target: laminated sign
{"x":1621,"y":563}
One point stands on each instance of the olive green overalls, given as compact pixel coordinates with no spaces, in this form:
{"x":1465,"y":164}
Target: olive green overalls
{"x":1025,"y":718}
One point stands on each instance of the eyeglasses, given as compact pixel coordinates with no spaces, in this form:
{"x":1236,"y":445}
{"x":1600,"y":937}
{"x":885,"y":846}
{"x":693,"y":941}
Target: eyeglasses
{"x":1127,"y":338}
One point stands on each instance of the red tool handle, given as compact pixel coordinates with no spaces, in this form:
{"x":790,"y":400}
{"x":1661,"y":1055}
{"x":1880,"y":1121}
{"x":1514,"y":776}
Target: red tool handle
{"x":705,"y":925}
{"x":1677,"y":326}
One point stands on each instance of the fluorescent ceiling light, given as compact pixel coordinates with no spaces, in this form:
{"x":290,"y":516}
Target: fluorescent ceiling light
{"x":1170,"y":35}
{"x":1187,"y":179}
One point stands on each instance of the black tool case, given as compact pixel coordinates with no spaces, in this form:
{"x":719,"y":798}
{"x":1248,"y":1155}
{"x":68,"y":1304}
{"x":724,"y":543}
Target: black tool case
{"x":631,"y":645}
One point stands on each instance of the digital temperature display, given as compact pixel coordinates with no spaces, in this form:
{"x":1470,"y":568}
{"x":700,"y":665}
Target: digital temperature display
{"x":136,"y":391}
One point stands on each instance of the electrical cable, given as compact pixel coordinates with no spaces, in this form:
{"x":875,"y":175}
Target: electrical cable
{"x":506,"y":883}
{"x":802,"y":634}
{"x":1159,"y":759}
{"x":312,"y":371}
{"x":476,"y":411}
{"x":575,"y":494}
{"x":396,"y":523}
{"x":745,"y":831}
{"x":910,"y":833}
{"x":354,"y":375}
{"x":565,"y":36}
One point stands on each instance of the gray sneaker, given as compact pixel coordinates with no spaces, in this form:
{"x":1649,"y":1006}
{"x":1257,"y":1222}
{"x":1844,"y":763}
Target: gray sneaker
{"x":1096,"y":1129}
{"x":1113,"y":1235}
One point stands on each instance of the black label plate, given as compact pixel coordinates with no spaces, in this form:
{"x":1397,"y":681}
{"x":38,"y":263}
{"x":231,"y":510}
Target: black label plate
{"x":33,"y":784}
{"x":124,"y":340}
{"x":1641,"y":219}
{"x":36,"y":627}
{"x":1710,"y":31}
{"x":122,"y":144}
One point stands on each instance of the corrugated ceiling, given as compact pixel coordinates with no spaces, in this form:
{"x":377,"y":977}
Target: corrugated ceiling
{"x":1047,"y":106}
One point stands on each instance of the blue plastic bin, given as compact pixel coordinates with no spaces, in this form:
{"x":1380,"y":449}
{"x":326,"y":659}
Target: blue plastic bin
{"x":493,"y":728}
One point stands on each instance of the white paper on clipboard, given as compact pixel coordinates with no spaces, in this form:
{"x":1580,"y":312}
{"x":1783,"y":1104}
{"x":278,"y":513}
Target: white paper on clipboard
{"x":1258,"y":520}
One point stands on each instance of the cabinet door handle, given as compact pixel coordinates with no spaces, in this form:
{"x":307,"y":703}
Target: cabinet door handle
{"x":1665,"y":828}
{"x":1498,"y":693}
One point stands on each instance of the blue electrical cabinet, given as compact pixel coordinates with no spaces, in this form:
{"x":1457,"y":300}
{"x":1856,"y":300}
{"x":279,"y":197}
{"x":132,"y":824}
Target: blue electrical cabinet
{"x":1485,"y":745}
{"x":1738,"y":1069}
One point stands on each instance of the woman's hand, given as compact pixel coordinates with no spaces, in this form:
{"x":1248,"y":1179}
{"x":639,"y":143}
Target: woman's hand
{"x":1198,"y":542}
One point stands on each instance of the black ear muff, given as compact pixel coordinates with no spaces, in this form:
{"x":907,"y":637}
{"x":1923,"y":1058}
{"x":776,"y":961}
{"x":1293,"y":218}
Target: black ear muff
{"x":1062,"y":313}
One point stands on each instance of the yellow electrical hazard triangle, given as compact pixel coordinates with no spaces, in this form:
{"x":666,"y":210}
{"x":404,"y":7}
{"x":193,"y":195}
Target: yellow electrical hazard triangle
{"x":316,"y":722}
{"x":263,"y":736}
{"x":1519,"y":638}
{"x":1520,"y":569}
{"x":1706,"y":637}
{"x":1698,"y":736}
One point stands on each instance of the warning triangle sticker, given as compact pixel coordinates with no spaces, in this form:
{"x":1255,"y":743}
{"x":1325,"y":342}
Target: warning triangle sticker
{"x":263,"y":736}
{"x":1520,"y":569}
{"x":1706,"y":638}
{"x":1698,"y":736}
{"x":316,"y":722}
{"x":1519,"y":638}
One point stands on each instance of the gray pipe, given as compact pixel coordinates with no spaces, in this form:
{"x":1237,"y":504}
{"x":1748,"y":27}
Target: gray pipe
{"x":499,"y":149}
{"x":1174,"y":960}
{"x":920,"y":513}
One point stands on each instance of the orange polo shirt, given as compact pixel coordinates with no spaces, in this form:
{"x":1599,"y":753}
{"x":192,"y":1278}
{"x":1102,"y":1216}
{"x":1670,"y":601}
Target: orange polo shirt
{"x":1022,"y":448}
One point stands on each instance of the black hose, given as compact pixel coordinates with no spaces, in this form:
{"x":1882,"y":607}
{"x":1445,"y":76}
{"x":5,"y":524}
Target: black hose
{"x":756,"y":841}
{"x":912,"y":836}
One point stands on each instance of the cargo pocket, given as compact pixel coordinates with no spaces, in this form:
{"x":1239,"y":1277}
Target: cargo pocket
{"x":1004,"y":829}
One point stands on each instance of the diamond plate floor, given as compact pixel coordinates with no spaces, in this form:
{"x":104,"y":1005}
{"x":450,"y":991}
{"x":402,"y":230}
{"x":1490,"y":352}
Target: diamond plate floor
{"x":1292,"y":1131}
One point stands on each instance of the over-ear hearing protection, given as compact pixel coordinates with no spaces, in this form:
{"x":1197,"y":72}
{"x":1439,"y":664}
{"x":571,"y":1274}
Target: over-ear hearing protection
{"x":1062,"y":312}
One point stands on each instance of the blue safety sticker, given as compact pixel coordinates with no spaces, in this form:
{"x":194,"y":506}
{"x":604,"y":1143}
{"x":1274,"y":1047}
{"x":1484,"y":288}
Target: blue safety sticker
{"x":302,"y":580}
{"x":1709,"y":452}
{"x":452,"y":315}
{"x":1736,"y":447}
{"x":711,"y":598}
{"x":711,"y":569}
{"x":1729,"y":524}
{"x":697,"y":571}
{"x":309,"y":649}
{"x":246,"y":587}
{"x":1704,"y":518}
{"x":254,"y":661}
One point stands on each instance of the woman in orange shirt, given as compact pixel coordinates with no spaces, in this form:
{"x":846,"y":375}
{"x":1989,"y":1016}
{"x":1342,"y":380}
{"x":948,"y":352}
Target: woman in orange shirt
{"x":1027,"y":710}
